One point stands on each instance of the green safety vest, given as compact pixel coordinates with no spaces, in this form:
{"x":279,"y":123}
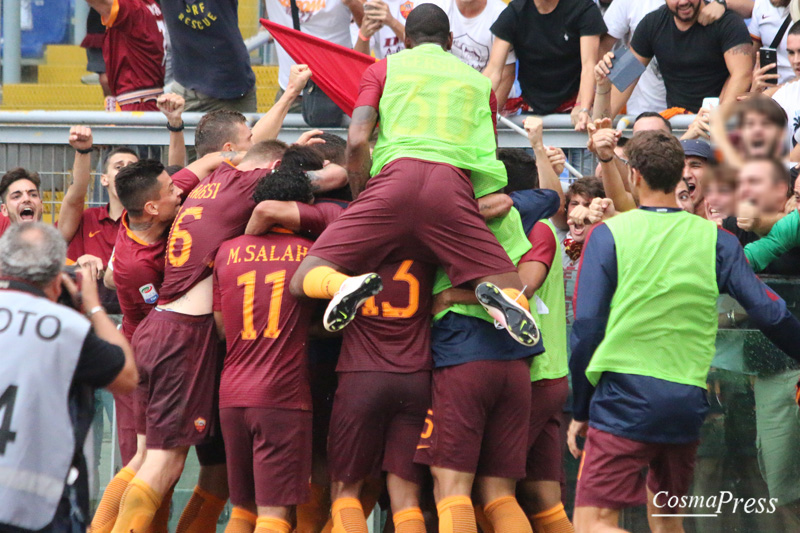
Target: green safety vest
{"x":436,"y":108}
{"x":552,"y":364}
{"x":663,"y":319}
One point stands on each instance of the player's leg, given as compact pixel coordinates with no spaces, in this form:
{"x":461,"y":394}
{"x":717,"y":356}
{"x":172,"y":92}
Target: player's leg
{"x":202,"y":511}
{"x":404,"y":496}
{"x":159,"y":472}
{"x":671,"y":472}
{"x":273,"y":520}
{"x":539,"y":493}
{"x":452,"y":490}
{"x":108,"y":508}
{"x":662,"y":524}
{"x":596,"y":520}
{"x":240,"y":470}
{"x":500,"y":504}
{"x":347,"y":513}
{"x":319,"y":278}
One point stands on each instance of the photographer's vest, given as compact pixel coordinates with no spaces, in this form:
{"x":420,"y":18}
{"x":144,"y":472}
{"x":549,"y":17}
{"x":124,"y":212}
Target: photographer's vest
{"x":41,"y":343}
{"x":436,"y":108}
{"x":663,"y":319}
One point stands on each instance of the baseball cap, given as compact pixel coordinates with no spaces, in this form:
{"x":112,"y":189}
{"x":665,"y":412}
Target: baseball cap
{"x":698,"y":148}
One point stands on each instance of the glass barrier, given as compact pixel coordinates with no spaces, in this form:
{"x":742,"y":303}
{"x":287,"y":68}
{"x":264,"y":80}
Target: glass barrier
{"x":749,"y":450}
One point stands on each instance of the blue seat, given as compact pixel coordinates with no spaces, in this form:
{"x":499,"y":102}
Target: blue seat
{"x":51,"y":22}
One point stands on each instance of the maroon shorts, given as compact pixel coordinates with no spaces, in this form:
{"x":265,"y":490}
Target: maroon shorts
{"x":178,"y":360}
{"x":545,"y":448}
{"x":375,"y":425}
{"x":417,"y":210}
{"x":269,"y":455}
{"x":479,"y":420}
{"x":126,"y":426}
{"x":612,"y":470}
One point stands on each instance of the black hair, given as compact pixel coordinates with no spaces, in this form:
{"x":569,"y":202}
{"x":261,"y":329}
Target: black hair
{"x":115,"y":151}
{"x":302,"y":158}
{"x":287,"y":185}
{"x":137,"y":184}
{"x":648,"y":114}
{"x":334,"y":148}
{"x":428,"y":23}
{"x":658,"y":157}
{"x":794,"y":29}
{"x":521,"y":169}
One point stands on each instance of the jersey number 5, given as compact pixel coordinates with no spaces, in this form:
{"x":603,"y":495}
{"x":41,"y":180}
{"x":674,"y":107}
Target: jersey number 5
{"x":248,"y":281}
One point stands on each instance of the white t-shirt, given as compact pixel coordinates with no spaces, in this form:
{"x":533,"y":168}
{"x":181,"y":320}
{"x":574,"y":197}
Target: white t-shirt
{"x":621,"y":18}
{"x":472,"y":37}
{"x":788,"y":97}
{"x":385,"y":42}
{"x":326,"y":19}
{"x":764,"y":25}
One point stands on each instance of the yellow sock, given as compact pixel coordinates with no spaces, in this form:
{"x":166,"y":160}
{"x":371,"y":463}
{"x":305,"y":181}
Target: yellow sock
{"x":456,"y":515}
{"x":517,"y":296}
{"x":201,"y":513}
{"x":409,"y":521}
{"x":483,"y":522}
{"x":312,"y":515}
{"x":507,"y":516}
{"x":161,"y":519}
{"x":553,"y":520}
{"x":269,"y":524}
{"x":348,"y":516}
{"x":328,"y":528}
{"x":108,"y":508}
{"x":322,"y":282}
{"x":241,"y":521}
{"x":137,"y":508}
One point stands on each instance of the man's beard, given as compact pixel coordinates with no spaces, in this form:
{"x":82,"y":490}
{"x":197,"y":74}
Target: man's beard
{"x":690,"y":18}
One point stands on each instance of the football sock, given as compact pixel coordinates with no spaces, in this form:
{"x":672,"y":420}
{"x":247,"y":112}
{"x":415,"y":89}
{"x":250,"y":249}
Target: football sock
{"x":409,"y":521}
{"x":553,"y":520}
{"x":518,"y":297}
{"x":108,"y":508}
{"x":268,"y":524}
{"x":348,"y":516}
{"x":241,"y":521}
{"x":456,"y":515}
{"x":137,"y":508}
{"x":312,"y":515}
{"x":507,"y":516}
{"x":161,"y":519}
{"x":322,"y":282}
{"x":201,"y":513}
{"x":483,"y":522}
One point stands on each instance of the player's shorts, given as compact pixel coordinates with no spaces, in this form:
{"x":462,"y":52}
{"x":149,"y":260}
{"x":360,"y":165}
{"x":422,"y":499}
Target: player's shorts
{"x":545,"y":447}
{"x":269,"y":455}
{"x":375,"y":426}
{"x":178,"y":360}
{"x":611,"y":473}
{"x":419,"y":210}
{"x":126,"y":426}
{"x":479,"y":419}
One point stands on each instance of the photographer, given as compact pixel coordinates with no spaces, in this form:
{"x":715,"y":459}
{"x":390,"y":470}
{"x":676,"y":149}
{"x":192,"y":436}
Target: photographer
{"x":53,"y":358}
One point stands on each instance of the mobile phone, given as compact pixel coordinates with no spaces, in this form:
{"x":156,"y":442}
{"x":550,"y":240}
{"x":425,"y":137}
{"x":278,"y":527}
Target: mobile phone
{"x":768,"y":56}
{"x":710,"y":102}
{"x":625,"y":69}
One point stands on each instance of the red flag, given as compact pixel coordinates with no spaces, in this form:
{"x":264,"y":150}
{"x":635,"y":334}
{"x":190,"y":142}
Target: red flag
{"x":335,"y":69}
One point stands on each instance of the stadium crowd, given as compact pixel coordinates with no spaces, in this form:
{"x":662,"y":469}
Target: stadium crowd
{"x":401,"y":385}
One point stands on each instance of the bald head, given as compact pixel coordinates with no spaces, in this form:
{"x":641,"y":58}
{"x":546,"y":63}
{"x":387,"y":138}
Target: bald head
{"x":428,"y":23}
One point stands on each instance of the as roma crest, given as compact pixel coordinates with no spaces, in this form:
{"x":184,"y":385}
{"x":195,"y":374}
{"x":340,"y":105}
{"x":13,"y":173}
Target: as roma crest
{"x":406,"y":8}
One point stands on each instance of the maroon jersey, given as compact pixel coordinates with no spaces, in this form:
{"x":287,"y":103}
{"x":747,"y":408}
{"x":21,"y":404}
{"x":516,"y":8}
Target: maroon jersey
{"x":391,"y":332}
{"x":138,"y":273}
{"x":266,"y":328}
{"x":133,"y":48}
{"x":217,"y":209}
{"x":5,"y":222}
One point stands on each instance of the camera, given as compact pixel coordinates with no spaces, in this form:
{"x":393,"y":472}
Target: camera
{"x":73,"y":271}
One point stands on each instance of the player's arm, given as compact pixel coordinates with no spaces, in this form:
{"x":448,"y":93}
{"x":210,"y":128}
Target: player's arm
{"x":108,"y":275}
{"x":495,"y":205}
{"x":536,"y":263}
{"x":69,"y":217}
{"x":270,"y":124}
{"x":766,"y":309}
{"x":497,"y":64}
{"x":103,"y":7}
{"x":172,"y":106}
{"x":358,"y":156}
{"x":784,"y":236}
{"x":220,"y":324}
{"x":271,"y":213}
{"x":328,"y":178}
{"x":739,"y":61}
{"x":597,"y":281}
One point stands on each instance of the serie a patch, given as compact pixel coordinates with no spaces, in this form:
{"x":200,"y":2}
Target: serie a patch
{"x":149,"y":293}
